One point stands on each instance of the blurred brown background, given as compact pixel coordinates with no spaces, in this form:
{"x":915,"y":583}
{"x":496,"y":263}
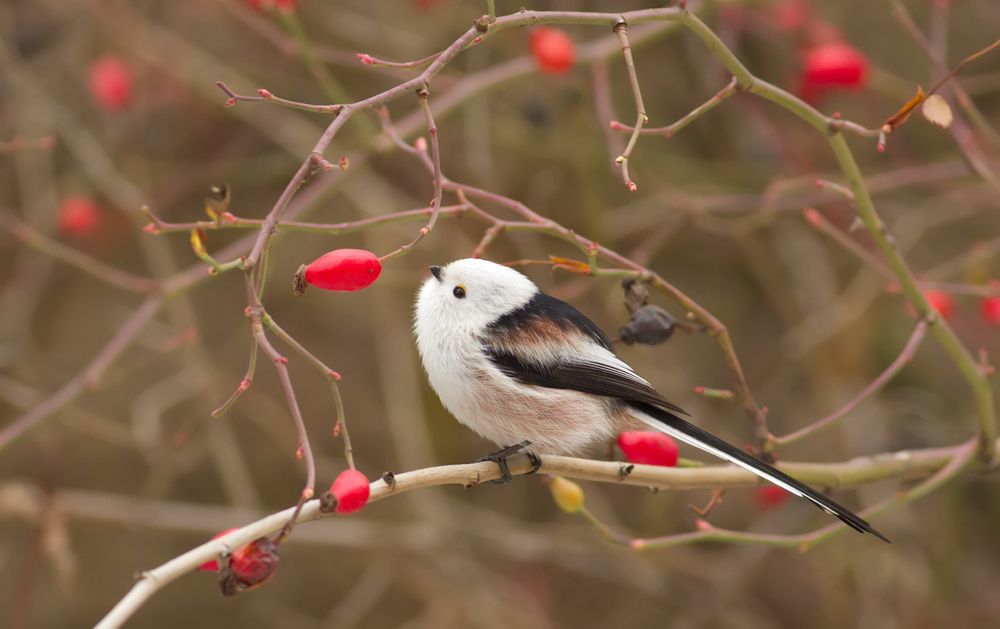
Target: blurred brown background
{"x":133,"y":472}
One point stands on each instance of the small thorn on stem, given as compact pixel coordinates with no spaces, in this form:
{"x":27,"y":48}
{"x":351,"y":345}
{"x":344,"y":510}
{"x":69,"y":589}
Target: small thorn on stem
{"x":300,"y":454}
{"x":263,"y":93}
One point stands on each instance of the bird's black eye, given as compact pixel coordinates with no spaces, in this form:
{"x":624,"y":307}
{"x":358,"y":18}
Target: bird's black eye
{"x":459,"y":292}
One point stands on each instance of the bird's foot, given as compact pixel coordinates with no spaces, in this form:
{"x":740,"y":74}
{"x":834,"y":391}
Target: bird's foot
{"x":500,"y":458}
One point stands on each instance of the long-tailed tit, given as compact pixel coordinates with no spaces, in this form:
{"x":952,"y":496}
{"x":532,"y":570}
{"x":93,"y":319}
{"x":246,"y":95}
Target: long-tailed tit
{"x":516,"y":365}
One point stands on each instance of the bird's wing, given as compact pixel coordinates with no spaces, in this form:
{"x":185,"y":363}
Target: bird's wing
{"x":563,"y":349}
{"x":550,"y":343}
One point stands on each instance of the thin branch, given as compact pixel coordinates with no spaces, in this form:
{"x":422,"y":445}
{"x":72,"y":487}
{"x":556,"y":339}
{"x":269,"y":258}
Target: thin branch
{"x":244,"y":383}
{"x":432,"y":131}
{"x":89,"y":376}
{"x":699,"y":111}
{"x":281,"y":364}
{"x":904,"y":358}
{"x":83,"y":262}
{"x":331,"y":376}
{"x":159,"y":226}
{"x":266,"y":95}
{"x":621,"y":29}
{"x":940,"y":464}
{"x":20,"y":144}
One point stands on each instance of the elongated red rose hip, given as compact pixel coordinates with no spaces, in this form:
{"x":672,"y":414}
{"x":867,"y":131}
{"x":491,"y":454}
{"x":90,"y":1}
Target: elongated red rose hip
{"x":648,"y":448}
{"x":344,"y":269}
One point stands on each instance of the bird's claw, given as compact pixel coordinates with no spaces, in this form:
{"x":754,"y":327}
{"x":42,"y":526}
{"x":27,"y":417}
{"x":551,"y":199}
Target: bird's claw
{"x":500,"y":458}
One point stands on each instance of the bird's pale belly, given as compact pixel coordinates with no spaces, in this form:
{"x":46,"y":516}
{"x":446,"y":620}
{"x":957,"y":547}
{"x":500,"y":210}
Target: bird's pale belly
{"x":555,"y":421}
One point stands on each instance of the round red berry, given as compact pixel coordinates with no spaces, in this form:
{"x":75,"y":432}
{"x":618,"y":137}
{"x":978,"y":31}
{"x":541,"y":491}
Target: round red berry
{"x":344,"y":269}
{"x":648,"y":448}
{"x":941,"y":302}
{"x":552,"y":49}
{"x":213,"y":566}
{"x":78,"y":216}
{"x":351,"y":489}
{"x":770,"y":497}
{"x":111,"y":83}
{"x":989,"y":308}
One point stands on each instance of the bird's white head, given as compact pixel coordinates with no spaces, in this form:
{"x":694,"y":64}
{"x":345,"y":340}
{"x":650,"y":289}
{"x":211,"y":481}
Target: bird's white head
{"x":467,"y":295}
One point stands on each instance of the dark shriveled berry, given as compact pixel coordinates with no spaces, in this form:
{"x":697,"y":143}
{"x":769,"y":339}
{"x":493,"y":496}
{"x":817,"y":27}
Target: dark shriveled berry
{"x":649,"y":325}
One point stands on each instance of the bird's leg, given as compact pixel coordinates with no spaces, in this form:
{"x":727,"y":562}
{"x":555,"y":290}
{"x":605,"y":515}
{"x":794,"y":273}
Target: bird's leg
{"x":500,"y":458}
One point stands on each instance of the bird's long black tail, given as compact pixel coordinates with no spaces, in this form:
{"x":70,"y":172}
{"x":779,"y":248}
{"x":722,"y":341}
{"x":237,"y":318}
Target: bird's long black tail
{"x":687,"y":432}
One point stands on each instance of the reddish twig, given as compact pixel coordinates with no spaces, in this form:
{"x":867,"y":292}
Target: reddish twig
{"x":904,"y":358}
{"x":266,"y":95}
{"x":669,"y":130}
{"x":621,"y":29}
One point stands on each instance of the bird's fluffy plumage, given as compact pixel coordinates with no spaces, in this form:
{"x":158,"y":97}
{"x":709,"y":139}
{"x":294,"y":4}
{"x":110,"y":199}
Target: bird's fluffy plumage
{"x":515,"y":364}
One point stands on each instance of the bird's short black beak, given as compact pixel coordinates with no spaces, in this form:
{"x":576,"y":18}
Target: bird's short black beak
{"x":436,"y":272}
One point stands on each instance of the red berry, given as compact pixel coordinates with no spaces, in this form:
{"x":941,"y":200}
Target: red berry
{"x":770,"y":496}
{"x":649,"y":448}
{"x":253,"y":564}
{"x":552,"y":49}
{"x":78,"y":216}
{"x":344,"y":269}
{"x":267,"y":4}
{"x":989,"y":307}
{"x":111,"y":83}
{"x":351,"y":489}
{"x":213,"y":566}
{"x":941,"y":302}
{"x":833,"y":66}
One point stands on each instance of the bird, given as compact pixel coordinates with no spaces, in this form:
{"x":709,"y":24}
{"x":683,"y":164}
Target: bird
{"x":521,"y":367}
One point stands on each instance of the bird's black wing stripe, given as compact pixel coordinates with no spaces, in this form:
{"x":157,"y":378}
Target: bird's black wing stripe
{"x":677,"y":424}
{"x":587,"y":377}
{"x":545,"y":308}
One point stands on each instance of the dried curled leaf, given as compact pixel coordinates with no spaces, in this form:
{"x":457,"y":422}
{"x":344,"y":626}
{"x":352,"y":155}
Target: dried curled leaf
{"x":569,"y":264}
{"x":937,"y":110}
{"x":904,"y":112}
